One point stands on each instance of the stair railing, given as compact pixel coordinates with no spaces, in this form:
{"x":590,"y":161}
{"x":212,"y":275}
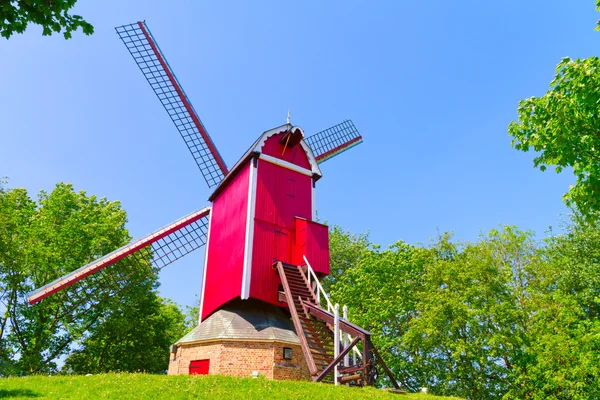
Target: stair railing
{"x":320,"y":290}
{"x":312,"y":277}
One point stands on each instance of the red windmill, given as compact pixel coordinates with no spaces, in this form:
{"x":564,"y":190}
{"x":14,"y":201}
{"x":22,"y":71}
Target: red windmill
{"x":264,"y":250}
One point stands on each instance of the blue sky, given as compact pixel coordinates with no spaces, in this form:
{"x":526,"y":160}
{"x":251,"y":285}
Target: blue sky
{"x":431,"y":85}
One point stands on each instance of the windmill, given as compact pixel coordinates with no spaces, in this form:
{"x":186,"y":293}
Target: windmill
{"x":265,"y":253}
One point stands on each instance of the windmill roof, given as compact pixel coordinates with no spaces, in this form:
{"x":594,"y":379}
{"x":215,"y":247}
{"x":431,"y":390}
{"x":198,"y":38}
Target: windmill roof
{"x":244,"y":319}
{"x":254,"y":151}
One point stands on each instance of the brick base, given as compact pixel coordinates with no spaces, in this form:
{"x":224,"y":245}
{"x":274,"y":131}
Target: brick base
{"x":242,"y":358}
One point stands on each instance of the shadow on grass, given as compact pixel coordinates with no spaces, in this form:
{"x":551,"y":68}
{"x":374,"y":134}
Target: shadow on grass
{"x":5,"y":394}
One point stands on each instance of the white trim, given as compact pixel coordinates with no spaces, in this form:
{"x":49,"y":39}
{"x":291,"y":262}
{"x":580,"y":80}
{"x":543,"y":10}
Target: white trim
{"x":263,"y":138}
{"x":247,"y":270}
{"x":204,"y":272}
{"x":284,"y":128}
{"x":285,"y":164}
{"x":313,"y":198}
{"x":311,"y":158}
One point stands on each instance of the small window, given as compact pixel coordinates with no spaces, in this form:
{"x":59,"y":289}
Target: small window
{"x":287,"y":353}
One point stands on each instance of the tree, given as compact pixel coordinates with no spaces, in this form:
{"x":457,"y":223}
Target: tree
{"x":136,"y":338}
{"x":191,"y":315}
{"x":41,"y":241}
{"x":598,"y":9}
{"x":53,"y":16}
{"x":345,"y":251}
{"x":379,"y":288}
{"x":472,"y":331}
{"x":565,"y":339}
{"x":564,"y":127}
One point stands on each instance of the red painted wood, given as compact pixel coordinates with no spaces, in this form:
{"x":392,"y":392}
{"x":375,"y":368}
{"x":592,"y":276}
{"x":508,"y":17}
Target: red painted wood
{"x":271,"y":243}
{"x":312,"y":241}
{"x":338,"y":149}
{"x":295,"y":155}
{"x":224,"y":266}
{"x":199,"y":367}
{"x":282,"y":195}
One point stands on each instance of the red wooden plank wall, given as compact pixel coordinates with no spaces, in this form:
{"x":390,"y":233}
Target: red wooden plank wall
{"x":225,"y":251}
{"x":295,"y":155}
{"x":281,"y":195}
{"x":271,"y":243}
{"x":312,"y":241}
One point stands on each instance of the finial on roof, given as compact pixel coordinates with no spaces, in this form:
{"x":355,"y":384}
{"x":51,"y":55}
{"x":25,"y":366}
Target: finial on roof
{"x":288,"y":117}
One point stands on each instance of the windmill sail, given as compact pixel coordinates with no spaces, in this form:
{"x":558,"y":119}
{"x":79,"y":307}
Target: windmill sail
{"x":146,"y":53}
{"x":144,"y":256}
{"x":333,"y":141}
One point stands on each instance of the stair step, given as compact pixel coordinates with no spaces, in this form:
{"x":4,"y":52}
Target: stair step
{"x":320,"y":348}
{"x":350,"y":369}
{"x":299,"y":281}
{"x":317,"y":335}
{"x":296,"y":277}
{"x":321,"y":351}
{"x":319,"y":340}
{"x":323,"y":357}
{"x":299,"y":291}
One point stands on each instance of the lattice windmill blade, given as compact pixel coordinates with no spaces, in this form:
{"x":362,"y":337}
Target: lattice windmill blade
{"x":333,"y":141}
{"x":148,"y":255}
{"x":153,"y":64}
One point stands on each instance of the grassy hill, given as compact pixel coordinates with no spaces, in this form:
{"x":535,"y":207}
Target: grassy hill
{"x":142,"y":386}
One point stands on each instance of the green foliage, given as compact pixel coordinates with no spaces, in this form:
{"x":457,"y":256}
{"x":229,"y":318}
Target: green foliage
{"x":598,"y":9}
{"x":502,"y":317}
{"x":135,"y":338}
{"x":566,"y":329}
{"x":564,"y":128}
{"x":141,"y":386}
{"x":379,"y":289}
{"x":191,"y":315}
{"x":473,"y":310}
{"x":53,"y":16}
{"x":40,"y":242}
{"x":345,"y":251}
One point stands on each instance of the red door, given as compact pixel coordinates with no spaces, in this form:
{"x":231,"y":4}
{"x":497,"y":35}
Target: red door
{"x":199,"y":367}
{"x":281,"y":246}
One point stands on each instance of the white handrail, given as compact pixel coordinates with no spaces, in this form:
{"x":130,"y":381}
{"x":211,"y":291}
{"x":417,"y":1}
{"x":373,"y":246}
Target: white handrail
{"x":320,"y":289}
{"x":330,"y":307}
{"x":336,"y":339}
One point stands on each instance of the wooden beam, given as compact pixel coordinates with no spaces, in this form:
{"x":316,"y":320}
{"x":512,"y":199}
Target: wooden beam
{"x":349,"y":378}
{"x":281,"y":297}
{"x":337,"y":360}
{"x":349,"y":369}
{"x":386,"y":369}
{"x":345,"y":326}
{"x":366,"y":359}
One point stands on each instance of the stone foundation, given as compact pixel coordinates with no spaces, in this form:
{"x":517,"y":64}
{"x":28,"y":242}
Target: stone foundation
{"x":241,"y":358}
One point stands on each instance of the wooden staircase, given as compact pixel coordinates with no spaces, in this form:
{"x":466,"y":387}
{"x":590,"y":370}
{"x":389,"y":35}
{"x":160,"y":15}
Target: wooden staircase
{"x":315,"y":329}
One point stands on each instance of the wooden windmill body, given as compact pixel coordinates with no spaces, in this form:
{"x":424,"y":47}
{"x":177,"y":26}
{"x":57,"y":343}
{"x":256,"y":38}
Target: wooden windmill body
{"x":263,"y":212}
{"x":260,"y":304}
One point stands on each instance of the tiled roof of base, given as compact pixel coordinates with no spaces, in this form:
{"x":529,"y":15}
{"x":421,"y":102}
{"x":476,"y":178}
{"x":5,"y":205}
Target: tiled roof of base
{"x":244,"y":319}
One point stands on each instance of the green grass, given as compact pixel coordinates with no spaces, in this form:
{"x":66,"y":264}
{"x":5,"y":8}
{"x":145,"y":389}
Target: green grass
{"x":142,"y":386}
